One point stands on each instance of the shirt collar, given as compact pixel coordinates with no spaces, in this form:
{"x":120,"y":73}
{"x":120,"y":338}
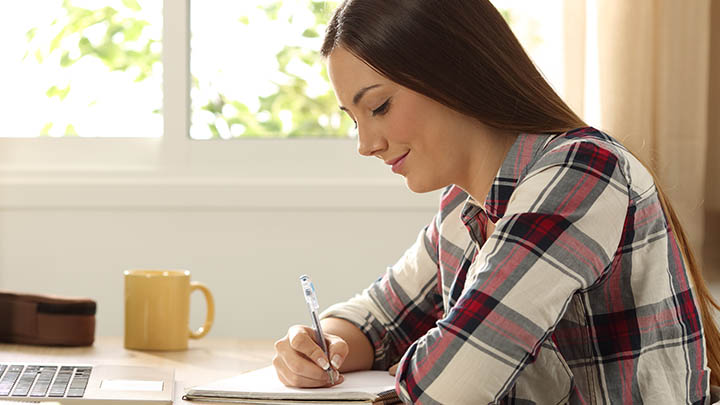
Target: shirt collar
{"x":522,"y":153}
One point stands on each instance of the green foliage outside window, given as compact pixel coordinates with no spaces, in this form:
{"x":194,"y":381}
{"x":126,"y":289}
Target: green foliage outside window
{"x":121,"y":46}
{"x":119,"y":50}
{"x":112,"y":49}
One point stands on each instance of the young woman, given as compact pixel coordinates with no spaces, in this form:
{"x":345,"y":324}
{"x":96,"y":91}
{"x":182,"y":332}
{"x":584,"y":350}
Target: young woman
{"x":554,"y":271}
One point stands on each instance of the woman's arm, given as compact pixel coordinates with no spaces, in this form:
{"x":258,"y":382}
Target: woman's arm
{"x":360,"y":353}
{"x":400,"y":306}
{"x":374,"y":328}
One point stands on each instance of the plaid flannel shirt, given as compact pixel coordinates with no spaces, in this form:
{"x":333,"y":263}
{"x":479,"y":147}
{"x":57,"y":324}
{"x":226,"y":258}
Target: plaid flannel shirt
{"x":580,"y":295}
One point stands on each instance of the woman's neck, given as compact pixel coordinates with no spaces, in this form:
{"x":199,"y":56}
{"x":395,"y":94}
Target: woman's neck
{"x":485,"y":154}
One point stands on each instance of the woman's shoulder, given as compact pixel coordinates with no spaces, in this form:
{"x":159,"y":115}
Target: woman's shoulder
{"x":598,"y":153}
{"x":584,"y":137}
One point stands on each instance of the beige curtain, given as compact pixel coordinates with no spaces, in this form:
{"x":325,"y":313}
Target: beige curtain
{"x":642,"y":70}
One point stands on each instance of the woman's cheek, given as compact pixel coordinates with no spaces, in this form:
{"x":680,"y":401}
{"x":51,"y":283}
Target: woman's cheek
{"x":404,"y":127}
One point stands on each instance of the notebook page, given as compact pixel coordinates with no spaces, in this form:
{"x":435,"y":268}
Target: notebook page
{"x":264,"y":384}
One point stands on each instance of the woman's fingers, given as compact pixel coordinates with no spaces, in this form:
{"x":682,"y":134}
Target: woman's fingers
{"x":302,"y":340}
{"x":292,"y":379}
{"x":298,"y":360}
{"x":338,"y":349}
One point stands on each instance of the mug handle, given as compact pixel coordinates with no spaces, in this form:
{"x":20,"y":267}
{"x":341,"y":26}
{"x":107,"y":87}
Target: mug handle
{"x":210,"y":317}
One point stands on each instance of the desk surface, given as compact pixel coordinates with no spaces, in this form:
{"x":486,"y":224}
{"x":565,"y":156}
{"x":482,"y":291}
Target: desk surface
{"x":206,"y":360}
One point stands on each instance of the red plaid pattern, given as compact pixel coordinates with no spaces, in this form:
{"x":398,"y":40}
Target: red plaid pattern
{"x":579,"y":296}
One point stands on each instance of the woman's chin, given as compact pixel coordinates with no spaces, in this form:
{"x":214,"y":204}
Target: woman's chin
{"x":422,"y":187}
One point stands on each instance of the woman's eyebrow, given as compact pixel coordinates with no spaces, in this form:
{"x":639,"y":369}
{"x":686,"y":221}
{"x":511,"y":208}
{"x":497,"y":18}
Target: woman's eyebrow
{"x":361,"y":93}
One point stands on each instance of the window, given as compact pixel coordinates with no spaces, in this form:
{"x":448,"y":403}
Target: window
{"x":78,"y":68}
{"x":257,"y":71}
{"x":207,"y":98}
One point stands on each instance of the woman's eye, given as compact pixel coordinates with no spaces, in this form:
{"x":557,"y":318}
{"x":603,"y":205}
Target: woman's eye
{"x":382,"y":109}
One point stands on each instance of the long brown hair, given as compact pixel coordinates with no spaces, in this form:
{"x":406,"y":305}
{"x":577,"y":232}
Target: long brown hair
{"x":464,"y":55}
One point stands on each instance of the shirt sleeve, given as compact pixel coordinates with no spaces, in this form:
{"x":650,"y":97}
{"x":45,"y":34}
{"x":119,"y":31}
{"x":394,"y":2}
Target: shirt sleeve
{"x":560,"y":231}
{"x":400,"y":306}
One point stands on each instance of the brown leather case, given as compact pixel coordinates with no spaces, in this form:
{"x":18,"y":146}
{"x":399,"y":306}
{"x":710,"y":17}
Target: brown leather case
{"x":46,"y":319}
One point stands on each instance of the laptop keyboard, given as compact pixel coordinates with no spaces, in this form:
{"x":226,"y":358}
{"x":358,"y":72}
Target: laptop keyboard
{"x":43,"y":381}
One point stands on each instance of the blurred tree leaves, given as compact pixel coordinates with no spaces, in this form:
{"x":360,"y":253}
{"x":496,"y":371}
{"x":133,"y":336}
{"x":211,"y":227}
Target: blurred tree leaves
{"x":114,"y":36}
{"x":288,"y":112}
{"x":116,"y":47}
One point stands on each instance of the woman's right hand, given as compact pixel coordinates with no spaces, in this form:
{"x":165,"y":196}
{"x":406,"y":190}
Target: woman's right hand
{"x":300,"y":362}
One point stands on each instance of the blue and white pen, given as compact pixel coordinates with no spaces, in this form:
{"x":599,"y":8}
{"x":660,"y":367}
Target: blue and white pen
{"x":312,"y":302}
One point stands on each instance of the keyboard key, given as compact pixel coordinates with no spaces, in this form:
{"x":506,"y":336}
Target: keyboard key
{"x":75,"y":393}
{"x":22,"y":389}
{"x":43,"y":382}
{"x":8,"y":380}
{"x":79,"y":382}
{"x":61,"y":382}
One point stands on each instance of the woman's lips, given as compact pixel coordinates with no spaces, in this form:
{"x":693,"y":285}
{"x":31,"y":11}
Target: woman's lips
{"x":397,"y":163}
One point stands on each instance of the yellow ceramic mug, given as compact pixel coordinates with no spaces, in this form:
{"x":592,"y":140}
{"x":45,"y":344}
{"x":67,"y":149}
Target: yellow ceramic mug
{"x":157,"y":309}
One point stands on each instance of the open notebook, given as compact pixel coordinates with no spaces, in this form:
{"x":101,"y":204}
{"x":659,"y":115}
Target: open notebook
{"x":263,"y":387}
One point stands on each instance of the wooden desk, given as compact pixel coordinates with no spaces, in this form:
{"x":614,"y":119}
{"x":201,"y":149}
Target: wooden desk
{"x":206,"y":360}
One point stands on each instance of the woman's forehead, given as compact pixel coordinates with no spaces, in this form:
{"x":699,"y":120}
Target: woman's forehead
{"x":348,"y":74}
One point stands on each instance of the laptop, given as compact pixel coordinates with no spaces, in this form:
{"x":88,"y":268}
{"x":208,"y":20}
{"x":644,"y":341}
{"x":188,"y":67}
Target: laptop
{"x":85,"y":384}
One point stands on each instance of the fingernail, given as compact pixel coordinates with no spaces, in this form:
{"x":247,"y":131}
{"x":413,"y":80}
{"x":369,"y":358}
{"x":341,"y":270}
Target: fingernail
{"x":336,"y":361}
{"x":322,"y":363}
{"x":336,"y":375}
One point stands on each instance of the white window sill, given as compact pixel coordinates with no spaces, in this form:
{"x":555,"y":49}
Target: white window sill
{"x":138,"y":192}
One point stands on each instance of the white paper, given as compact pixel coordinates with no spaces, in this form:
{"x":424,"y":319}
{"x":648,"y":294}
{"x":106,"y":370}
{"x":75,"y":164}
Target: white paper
{"x":264,"y":384}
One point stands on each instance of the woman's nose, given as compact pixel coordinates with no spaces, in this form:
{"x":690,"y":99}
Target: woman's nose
{"x":370,"y":144}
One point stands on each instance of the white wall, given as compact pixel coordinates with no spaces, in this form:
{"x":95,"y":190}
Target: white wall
{"x":250,"y":257}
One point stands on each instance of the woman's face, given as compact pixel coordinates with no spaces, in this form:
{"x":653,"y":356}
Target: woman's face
{"x":424,"y":141}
